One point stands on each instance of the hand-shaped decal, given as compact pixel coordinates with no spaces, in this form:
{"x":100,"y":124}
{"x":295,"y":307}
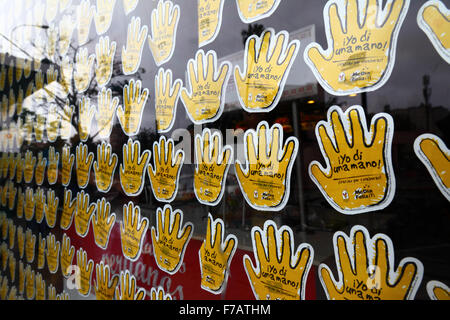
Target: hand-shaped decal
{"x":366,"y":269}
{"x":83,"y":165}
{"x":85,"y":14}
{"x":106,"y":110}
{"x":82,"y":74}
{"x":66,"y":29}
{"x":159,"y":294}
{"x":209,"y":20}
{"x":132,"y":170}
{"x":361,"y":52}
{"x":102,"y":223}
{"x":86,"y":268}
{"x":253,"y":10}
{"x":434,"y":19}
{"x":30,"y":283}
{"x":40,"y":199}
{"x":267,"y":62}
{"x":103,"y":15}
{"x":20,"y":165}
{"x":211,"y":167}
{"x":134,"y":100}
{"x":104,"y":52}
{"x":66,"y":166}
{"x":104,"y":284}
{"x":104,"y":167}
{"x":166,"y":171}
{"x":67,"y":254}
{"x":170,"y":239}
{"x":11,"y":234}
{"x":280,"y":273}
{"x":265,"y":182}
{"x":205,"y":100}
{"x":127,"y":289}
{"x":30,"y":204}
{"x":51,"y":208}
{"x":30,"y":163}
{"x":358,"y":176}
{"x":83,"y":214}
{"x":164,"y":31}
{"x":132,"y":53}
{"x":132,"y":231}
{"x":129,"y":5}
{"x":40,"y":287}
{"x":86,"y":113}
{"x":438,"y":291}
{"x":215,"y":256}
{"x":30,"y":246}
{"x":166,"y":99}
{"x":41,"y":252}
{"x":53,"y":162}
{"x":66,"y":122}
{"x":53,"y":254}
{"x":69,"y":208}
{"x":435,"y":155}
{"x":53,"y":123}
{"x":20,"y":242}
{"x":39,"y":175}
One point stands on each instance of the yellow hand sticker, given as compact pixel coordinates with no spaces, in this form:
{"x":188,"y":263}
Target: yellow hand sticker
{"x":253,"y":10}
{"x":21,"y":278}
{"x":438,"y":291}
{"x":215,"y":256}
{"x":85,"y":14}
{"x":83,"y":214}
{"x":20,"y":242}
{"x":166,"y":171}
{"x":66,"y":166}
{"x":129,"y":5}
{"x":361,"y":51}
{"x":86,"y":269}
{"x":40,"y":199}
{"x":103,"y":15}
{"x":30,"y":204}
{"x":103,"y":223}
{"x":67,"y":254}
{"x":63,"y":296}
{"x":209,"y":20}
{"x":12,"y":266}
{"x":170,"y":239}
{"x":82,"y":73}
{"x":166,"y":99}
{"x":104,"y":51}
{"x":106,"y":110}
{"x":434,"y":19}
{"x":4,"y":196}
{"x":40,"y":287}
{"x":134,"y":99}
{"x":53,"y":163}
{"x":53,"y":249}
{"x":435,"y":155}
{"x":51,"y":208}
{"x":104,"y":167}
{"x":30,"y":283}
{"x":280,"y":272}
{"x":132,"y":170}
{"x":159,"y":294}
{"x":11,"y":234}
{"x":30,"y":163}
{"x":205,"y":100}
{"x":132,"y":53}
{"x":66,"y":121}
{"x":20,"y":203}
{"x":163,"y":31}
{"x":30,"y":246}
{"x":51,"y":292}
{"x":358,"y":176}
{"x":69,"y":208}
{"x":105,"y":285}
{"x":267,"y":62}
{"x":83,"y":165}
{"x":211,"y":167}
{"x":366,"y":269}
{"x":66,"y":29}
{"x":12,"y":166}
{"x":53,"y":123}
{"x":127,"y":289}
{"x":4,"y":255}
{"x":41,"y":252}
{"x":132,"y":231}
{"x":40,"y":169}
{"x":86,"y":113}
{"x":11,"y":195}
{"x":265,"y":182}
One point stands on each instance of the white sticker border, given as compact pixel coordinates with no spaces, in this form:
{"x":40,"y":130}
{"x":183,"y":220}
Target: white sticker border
{"x":433,"y":284}
{"x":261,"y":16}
